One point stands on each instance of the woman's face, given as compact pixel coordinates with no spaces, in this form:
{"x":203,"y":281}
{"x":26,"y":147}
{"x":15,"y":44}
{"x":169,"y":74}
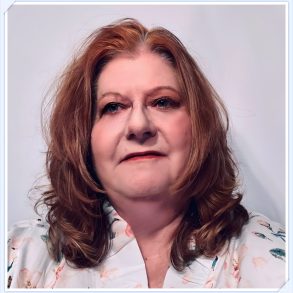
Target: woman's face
{"x":141,"y":137}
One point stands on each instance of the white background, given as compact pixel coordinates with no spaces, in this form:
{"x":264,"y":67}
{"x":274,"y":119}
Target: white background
{"x":241,"y":49}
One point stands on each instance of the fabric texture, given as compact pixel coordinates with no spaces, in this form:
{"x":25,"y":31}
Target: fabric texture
{"x":256,"y":259}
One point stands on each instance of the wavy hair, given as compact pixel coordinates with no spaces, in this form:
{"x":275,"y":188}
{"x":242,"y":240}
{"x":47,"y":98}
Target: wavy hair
{"x":79,"y":228}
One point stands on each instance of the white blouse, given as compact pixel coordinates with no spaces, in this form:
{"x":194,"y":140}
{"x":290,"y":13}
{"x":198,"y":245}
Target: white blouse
{"x":256,"y":259}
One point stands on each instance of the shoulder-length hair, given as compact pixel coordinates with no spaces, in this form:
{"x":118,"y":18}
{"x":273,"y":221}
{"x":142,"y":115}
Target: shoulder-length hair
{"x":79,"y":228}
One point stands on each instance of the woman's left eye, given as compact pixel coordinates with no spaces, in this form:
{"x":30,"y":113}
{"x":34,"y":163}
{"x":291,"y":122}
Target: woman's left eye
{"x":165,"y":103}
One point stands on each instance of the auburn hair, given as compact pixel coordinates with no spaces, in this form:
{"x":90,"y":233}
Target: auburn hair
{"x":79,"y":228}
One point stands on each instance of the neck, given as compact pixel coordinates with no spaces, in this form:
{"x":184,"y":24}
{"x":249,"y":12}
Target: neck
{"x":153,"y":221}
{"x":147,"y":217}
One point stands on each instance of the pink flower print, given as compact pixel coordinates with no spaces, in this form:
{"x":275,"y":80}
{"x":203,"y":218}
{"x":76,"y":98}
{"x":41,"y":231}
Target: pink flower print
{"x":14,"y":244}
{"x":258,"y":261}
{"x":17,"y":241}
{"x":209,"y":283}
{"x":128,"y":231}
{"x":235,"y":271}
{"x":188,"y":276}
{"x":107,"y":273}
{"x":138,"y":285}
{"x":228,"y":284}
{"x":242,"y":250}
{"x":185,"y":278}
{"x":236,"y":260}
{"x":28,"y":279}
{"x":57,"y":272}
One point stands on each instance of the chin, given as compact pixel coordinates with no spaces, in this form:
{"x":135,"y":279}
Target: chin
{"x":146,"y":187}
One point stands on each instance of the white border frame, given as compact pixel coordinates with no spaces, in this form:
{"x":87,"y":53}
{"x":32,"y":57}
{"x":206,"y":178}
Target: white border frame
{"x":288,"y":287}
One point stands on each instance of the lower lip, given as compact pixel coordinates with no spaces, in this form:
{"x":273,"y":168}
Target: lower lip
{"x":139,"y":158}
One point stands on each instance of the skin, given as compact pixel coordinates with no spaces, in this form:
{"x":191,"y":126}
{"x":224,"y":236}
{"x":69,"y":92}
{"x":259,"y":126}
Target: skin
{"x":139,"y":109}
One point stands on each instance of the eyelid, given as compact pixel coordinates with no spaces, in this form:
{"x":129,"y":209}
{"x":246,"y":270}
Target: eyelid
{"x":111,"y":96}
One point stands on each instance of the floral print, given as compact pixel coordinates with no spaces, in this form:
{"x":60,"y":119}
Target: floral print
{"x":255,"y":259}
{"x":28,"y":279}
{"x":278,"y":253}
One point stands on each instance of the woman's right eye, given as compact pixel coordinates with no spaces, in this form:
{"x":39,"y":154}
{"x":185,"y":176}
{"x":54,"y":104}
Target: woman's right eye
{"x":112,"y":108}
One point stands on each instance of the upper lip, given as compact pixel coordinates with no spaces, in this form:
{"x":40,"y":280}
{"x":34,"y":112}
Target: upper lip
{"x":140,"y":154}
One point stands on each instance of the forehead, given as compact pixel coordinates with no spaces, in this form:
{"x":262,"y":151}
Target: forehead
{"x":134,"y":73}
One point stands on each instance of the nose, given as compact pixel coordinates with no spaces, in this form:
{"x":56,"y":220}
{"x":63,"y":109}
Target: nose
{"x":140,"y":126}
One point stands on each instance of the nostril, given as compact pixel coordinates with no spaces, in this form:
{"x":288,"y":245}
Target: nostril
{"x":148,"y":134}
{"x":130,"y":136}
{"x":141,"y":137}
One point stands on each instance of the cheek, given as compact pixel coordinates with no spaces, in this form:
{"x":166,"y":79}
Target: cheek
{"x":180,"y":133}
{"x":101,"y":142}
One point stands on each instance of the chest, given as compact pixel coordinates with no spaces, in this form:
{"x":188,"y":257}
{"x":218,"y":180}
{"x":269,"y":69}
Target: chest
{"x":156,"y":270}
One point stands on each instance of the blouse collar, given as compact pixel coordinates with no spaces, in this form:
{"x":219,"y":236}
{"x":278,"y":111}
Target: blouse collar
{"x":195,"y":275}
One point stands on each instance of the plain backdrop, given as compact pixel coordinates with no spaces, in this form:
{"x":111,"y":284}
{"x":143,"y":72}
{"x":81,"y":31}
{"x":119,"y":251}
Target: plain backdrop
{"x":241,"y":49}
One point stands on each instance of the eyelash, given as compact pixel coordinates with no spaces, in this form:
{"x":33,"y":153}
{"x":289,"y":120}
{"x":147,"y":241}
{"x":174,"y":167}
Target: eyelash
{"x":106,"y":109}
{"x":171,"y":104}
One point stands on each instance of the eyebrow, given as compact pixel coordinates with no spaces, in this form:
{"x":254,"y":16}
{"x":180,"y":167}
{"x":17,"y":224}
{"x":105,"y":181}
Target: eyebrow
{"x":147,"y":93}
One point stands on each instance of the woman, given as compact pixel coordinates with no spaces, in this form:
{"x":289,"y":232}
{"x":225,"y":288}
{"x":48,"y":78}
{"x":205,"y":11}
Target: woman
{"x":143,"y":184}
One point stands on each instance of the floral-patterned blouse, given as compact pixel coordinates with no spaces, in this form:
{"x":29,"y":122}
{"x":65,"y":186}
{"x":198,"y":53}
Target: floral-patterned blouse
{"x":256,"y":259}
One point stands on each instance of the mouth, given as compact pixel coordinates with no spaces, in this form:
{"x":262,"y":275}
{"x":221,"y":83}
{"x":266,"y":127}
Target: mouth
{"x":143,"y":156}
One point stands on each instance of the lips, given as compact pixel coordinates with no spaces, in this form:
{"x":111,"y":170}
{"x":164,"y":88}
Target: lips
{"x":142,"y":155}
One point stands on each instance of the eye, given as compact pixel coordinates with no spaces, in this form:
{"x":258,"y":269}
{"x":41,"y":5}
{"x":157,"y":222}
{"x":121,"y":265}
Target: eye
{"x":165,"y":103}
{"x":112,"y":108}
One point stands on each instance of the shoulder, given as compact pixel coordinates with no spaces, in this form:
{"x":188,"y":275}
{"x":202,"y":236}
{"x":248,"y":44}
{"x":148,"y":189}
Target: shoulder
{"x":27,"y":227}
{"x":260,"y":252}
{"x":27,"y":232}
{"x":260,"y":232}
{"x":260,"y":227}
{"x":27,"y":251}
